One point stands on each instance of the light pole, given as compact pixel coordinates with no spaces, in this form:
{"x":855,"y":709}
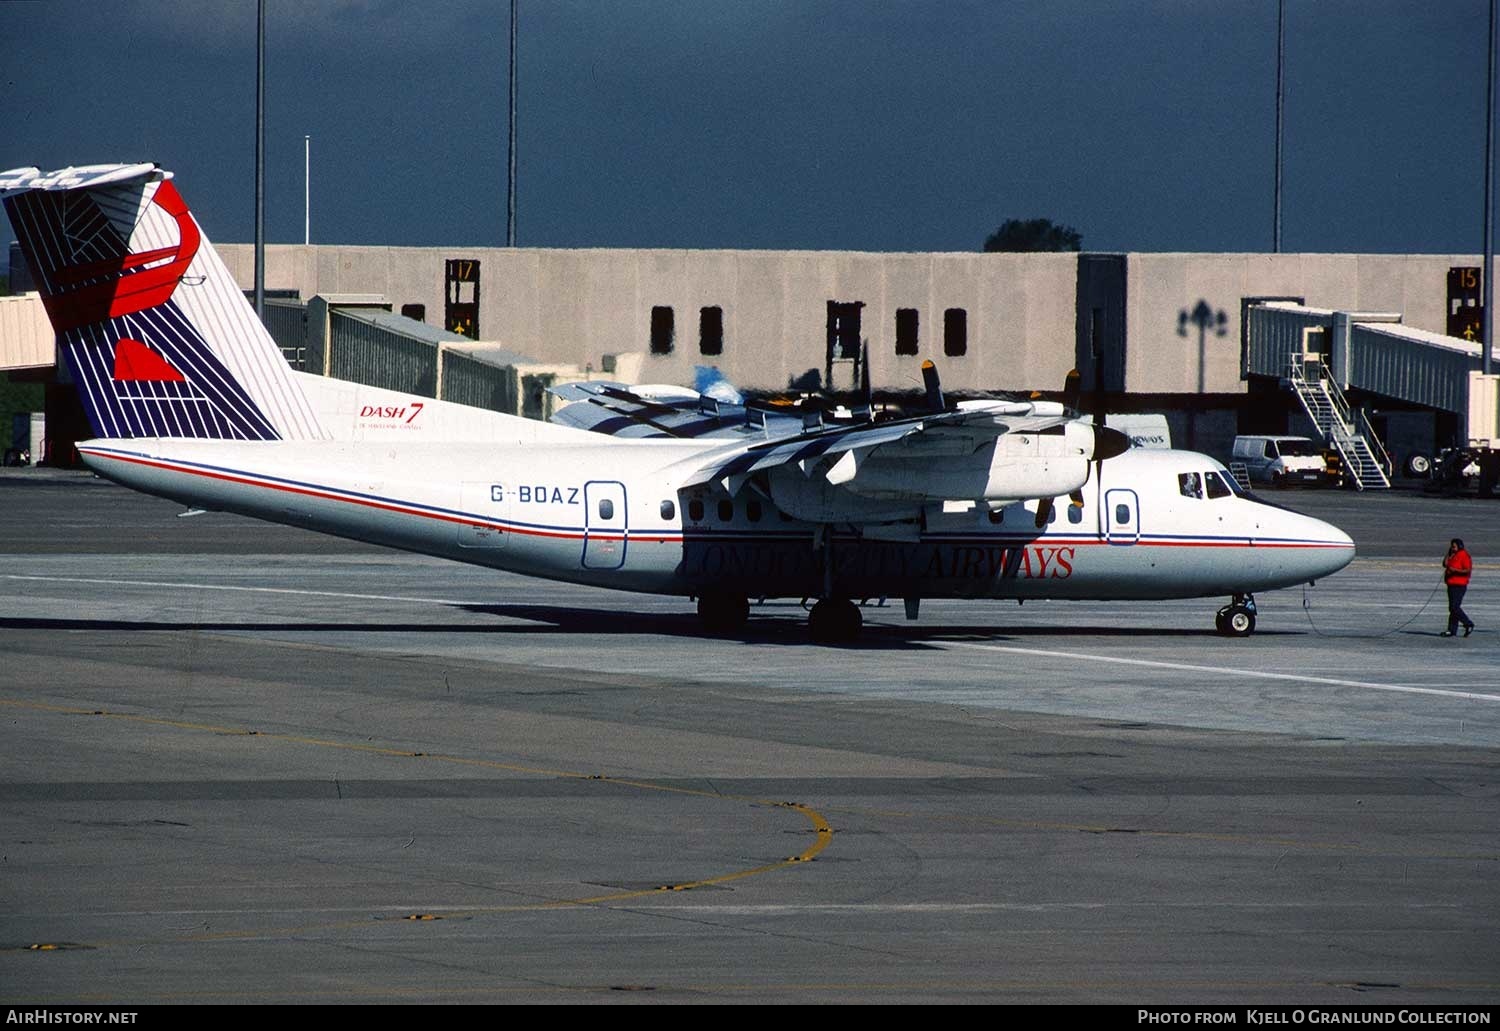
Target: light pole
{"x":1489,"y":207}
{"x":1280,"y":105}
{"x":510,"y":206}
{"x":260,"y":159}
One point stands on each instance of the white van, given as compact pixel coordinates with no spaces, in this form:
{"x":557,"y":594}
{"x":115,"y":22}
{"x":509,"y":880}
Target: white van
{"x":1281,"y":459}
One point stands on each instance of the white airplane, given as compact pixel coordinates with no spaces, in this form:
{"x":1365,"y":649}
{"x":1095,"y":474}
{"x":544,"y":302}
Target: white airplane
{"x":191,"y":400}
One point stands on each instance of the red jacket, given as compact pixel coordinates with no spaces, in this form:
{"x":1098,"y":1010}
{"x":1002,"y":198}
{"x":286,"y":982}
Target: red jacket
{"x":1456,"y":568}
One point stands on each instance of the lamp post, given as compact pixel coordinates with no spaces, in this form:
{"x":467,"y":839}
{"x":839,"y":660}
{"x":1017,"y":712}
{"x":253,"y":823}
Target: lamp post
{"x":1489,"y":208}
{"x":510,"y":203}
{"x":260,"y":159}
{"x":1280,"y":120}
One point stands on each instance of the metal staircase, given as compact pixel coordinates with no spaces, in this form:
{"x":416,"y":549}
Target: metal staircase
{"x":1350,"y":433}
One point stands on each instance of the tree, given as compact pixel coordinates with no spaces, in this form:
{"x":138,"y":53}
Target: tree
{"x":1033,"y":234}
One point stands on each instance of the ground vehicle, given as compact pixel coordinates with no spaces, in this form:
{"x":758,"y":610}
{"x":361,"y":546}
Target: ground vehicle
{"x":1281,"y":459}
{"x":1461,"y":469}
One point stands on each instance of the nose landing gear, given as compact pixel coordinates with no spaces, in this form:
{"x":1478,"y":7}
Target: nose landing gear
{"x":1237,"y":619}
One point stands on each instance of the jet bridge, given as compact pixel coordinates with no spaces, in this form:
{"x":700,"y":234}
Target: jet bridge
{"x":1320,"y":353}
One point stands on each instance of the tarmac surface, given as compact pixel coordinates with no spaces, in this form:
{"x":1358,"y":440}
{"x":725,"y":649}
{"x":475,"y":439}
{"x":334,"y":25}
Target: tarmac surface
{"x":243,"y":763}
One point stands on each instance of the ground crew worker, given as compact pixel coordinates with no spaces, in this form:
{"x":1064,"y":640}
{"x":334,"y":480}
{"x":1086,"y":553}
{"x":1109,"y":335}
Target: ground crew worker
{"x":1457,"y":565}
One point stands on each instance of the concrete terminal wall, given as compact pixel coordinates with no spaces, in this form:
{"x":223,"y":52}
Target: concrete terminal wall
{"x":1164,"y":292}
{"x":1025,"y":330}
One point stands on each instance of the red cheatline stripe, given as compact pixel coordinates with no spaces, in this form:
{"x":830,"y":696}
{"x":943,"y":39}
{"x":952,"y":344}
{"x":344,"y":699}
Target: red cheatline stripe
{"x":365,"y":502}
{"x":616,"y":535}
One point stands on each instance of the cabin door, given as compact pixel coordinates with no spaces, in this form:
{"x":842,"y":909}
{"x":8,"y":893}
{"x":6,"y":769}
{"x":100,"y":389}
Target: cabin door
{"x":605,"y":529}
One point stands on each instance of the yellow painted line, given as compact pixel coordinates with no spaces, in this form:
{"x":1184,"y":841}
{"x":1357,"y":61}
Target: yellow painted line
{"x":821,"y":828}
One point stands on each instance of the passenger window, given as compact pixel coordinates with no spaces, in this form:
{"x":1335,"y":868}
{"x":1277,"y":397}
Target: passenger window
{"x":1122,"y":515}
{"x":1217,"y":488}
{"x":606,"y":508}
{"x":997,"y":516}
{"x":1188,"y":485}
{"x":1052,"y":515}
{"x":695,"y":510}
{"x":1075,"y":514}
{"x":668,"y":510}
{"x":752,"y":511}
{"x":726,"y":510}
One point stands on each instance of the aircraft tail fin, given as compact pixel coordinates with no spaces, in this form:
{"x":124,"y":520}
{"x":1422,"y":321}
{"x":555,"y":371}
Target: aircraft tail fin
{"x":158,"y":337}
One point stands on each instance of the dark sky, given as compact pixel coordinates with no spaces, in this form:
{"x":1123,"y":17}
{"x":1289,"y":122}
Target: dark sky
{"x":840,"y":124}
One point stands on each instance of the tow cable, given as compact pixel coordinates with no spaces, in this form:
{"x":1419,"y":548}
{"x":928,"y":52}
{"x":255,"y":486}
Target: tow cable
{"x":1307,"y":608}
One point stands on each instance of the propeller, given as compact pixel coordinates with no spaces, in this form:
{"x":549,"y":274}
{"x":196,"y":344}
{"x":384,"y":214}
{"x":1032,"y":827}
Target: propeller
{"x":1107,"y":442}
{"x":935,"y":399}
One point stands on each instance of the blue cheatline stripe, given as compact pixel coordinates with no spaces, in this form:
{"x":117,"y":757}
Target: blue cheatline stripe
{"x":342,"y":494}
{"x":672,"y":534}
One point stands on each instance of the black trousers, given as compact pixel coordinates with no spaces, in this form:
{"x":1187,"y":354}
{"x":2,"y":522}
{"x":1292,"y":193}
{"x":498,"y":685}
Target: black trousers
{"x":1456,"y":615}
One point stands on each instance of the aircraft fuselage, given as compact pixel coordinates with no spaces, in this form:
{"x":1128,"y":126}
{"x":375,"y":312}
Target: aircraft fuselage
{"x":616,"y":516}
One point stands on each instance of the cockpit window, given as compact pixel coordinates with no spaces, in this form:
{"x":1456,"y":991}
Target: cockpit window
{"x":1217,"y":488}
{"x":1189,"y":485}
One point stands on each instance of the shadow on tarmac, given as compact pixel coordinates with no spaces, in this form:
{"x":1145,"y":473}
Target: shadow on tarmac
{"x":786,"y":627}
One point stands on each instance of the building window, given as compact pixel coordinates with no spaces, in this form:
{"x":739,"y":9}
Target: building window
{"x":906,"y":331}
{"x":711,"y":330}
{"x":843,"y":330}
{"x":955,"y":332}
{"x":661,"y":329}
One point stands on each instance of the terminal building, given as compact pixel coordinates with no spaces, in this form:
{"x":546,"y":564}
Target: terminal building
{"x":1210,"y":340}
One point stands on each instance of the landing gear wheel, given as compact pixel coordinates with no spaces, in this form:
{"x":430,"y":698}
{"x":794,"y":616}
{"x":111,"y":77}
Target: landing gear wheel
{"x":1236,"y":621}
{"x":723,"y":613}
{"x":835,"y":621}
{"x":1419,"y":466}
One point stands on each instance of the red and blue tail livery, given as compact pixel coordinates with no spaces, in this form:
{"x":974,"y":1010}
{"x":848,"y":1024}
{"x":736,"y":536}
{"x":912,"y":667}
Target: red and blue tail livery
{"x":145,"y":311}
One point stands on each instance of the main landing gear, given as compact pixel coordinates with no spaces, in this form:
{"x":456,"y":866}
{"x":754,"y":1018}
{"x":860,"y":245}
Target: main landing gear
{"x":835,"y":621}
{"x":1237,"y":619}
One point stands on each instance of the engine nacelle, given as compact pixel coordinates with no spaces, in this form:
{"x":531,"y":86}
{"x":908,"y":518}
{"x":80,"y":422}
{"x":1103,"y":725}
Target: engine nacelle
{"x":894,"y":481}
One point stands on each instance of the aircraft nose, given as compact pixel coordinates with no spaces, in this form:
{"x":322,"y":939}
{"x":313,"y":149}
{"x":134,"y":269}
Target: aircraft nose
{"x":1332,"y":549}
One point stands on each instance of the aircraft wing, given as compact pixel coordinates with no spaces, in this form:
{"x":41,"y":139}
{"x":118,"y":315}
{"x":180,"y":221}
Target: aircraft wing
{"x":617,"y":410}
{"x":961,"y":431}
